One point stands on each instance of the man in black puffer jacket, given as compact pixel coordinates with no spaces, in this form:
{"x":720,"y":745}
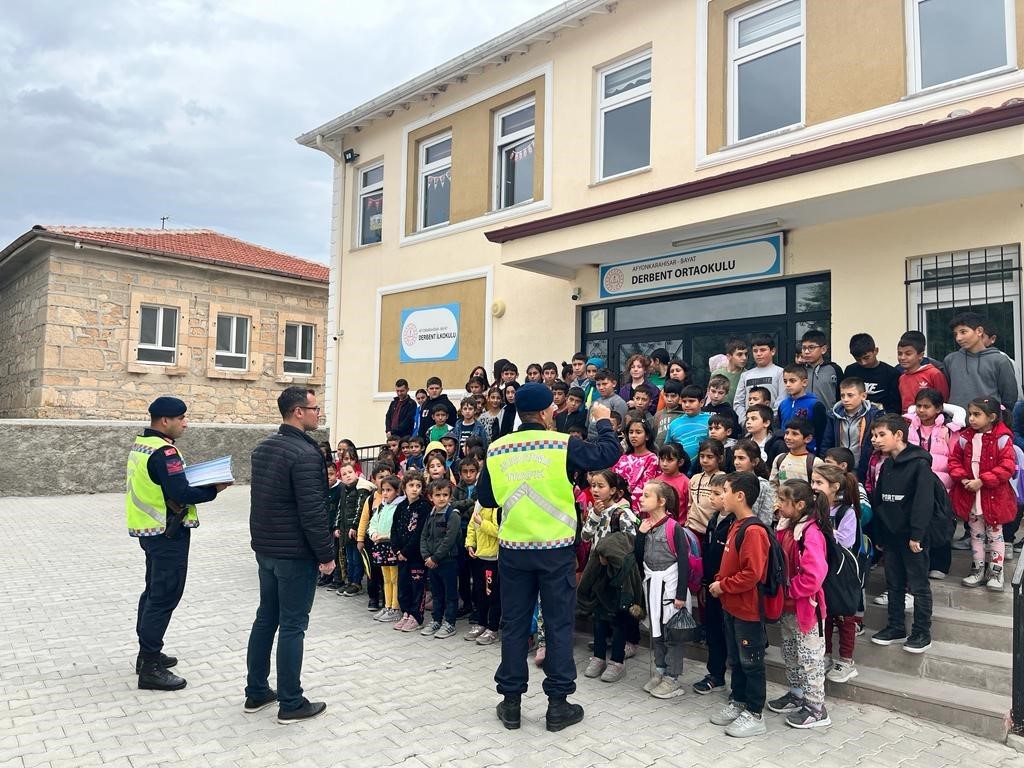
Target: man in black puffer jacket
{"x":291,"y":536}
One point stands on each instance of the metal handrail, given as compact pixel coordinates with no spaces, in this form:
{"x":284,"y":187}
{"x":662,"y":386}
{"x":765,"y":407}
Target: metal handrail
{"x":1017,"y":701}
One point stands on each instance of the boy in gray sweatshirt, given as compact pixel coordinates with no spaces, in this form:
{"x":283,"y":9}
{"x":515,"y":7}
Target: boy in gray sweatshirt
{"x":976,"y":371}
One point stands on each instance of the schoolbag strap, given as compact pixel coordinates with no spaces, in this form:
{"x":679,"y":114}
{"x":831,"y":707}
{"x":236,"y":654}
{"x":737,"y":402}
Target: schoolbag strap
{"x":810,"y":465}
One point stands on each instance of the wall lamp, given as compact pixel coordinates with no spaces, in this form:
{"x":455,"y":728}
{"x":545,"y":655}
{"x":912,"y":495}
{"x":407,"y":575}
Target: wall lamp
{"x":350,"y":155}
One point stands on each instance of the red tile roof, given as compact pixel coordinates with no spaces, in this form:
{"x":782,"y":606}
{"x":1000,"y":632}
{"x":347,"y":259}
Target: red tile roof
{"x":198,"y":245}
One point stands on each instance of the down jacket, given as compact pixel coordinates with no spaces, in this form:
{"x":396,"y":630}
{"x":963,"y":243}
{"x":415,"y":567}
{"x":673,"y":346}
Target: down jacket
{"x":938,"y":439}
{"x":288,"y":516}
{"x":998,"y":463}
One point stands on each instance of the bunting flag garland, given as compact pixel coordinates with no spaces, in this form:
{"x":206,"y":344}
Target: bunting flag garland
{"x":521,"y":152}
{"x":439,"y":180}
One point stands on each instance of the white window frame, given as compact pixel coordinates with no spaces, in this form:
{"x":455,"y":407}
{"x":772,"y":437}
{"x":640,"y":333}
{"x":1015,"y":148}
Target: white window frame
{"x":757,"y":50}
{"x":610,"y":104}
{"x":311,"y":361}
{"x":161,"y":344}
{"x":502,"y":142}
{"x":426,"y":170}
{"x":243,"y":356}
{"x":913,"y":32}
{"x":366,"y":190}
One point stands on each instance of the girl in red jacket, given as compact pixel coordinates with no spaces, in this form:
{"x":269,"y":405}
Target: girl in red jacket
{"x":804,"y":522}
{"x":980,"y":465}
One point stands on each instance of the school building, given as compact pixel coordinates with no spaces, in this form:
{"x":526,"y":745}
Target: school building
{"x":619,"y":176}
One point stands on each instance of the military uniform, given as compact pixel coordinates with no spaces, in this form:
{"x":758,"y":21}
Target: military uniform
{"x":527,"y":474}
{"x":160,"y":512}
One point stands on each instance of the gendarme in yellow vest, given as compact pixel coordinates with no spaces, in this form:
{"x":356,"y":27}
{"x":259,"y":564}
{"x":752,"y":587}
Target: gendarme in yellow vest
{"x":145,"y":508}
{"x":529,"y":481}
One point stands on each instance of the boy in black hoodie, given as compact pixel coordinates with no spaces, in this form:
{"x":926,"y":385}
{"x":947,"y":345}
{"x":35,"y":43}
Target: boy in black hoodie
{"x":903,"y":503}
{"x":712,"y":548}
{"x":406,"y":530}
{"x":435,"y":397}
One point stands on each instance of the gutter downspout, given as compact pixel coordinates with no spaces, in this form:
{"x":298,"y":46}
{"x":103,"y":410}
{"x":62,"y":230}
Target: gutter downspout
{"x":332,"y":357}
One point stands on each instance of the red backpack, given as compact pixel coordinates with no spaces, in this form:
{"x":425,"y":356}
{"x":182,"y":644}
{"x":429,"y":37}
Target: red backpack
{"x":771,"y":588}
{"x":696,"y":578}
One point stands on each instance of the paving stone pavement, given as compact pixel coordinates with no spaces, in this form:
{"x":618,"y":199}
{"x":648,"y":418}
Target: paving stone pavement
{"x":68,"y":696}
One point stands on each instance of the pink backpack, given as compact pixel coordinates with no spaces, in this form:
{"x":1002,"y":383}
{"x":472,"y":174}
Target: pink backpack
{"x":696,"y":577}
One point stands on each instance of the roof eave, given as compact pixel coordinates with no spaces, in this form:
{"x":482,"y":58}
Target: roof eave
{"x":437,"y":79}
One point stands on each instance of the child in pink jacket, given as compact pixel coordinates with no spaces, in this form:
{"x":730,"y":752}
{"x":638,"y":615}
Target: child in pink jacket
{"x":804,"y":522}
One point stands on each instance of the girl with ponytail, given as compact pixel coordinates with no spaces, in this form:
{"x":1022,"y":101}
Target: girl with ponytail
{"x":803,"y":524}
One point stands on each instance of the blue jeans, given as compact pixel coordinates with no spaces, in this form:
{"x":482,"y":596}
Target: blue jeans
{"x":444,"y":587}
{"x":353,"y":563}
{"x":286,"y":595}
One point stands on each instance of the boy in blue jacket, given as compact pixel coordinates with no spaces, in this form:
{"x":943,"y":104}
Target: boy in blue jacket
{"x":849,"y":424}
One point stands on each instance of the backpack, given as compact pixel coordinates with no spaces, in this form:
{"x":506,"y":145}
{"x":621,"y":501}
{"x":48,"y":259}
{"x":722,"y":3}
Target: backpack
{"x":695,"y":580}
{"x":1017,"y":478}
{"x":863,"y":548}
{"x":844,"y":582}
{"x":771,"y":588}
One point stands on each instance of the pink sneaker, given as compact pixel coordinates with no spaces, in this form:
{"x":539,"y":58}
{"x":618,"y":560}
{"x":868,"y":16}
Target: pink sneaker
{"x":400,"y":624}
{"x":411,"y":625}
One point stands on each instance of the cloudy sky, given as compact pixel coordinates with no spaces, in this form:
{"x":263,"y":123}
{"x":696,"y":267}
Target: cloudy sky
{"x":118,"y":112}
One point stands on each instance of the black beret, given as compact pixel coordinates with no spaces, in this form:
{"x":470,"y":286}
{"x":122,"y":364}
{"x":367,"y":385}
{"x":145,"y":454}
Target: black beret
{"x":167,"y":406}
{"x":533,"y":397}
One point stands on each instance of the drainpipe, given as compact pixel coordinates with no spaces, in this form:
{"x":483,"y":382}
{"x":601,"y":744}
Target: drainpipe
{"x":332,"y":361}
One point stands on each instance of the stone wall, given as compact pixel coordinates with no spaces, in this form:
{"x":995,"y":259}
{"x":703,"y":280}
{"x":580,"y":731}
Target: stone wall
{"x":90,"y":365}
{"x":23,"y":316}
{"x":53,"y":457}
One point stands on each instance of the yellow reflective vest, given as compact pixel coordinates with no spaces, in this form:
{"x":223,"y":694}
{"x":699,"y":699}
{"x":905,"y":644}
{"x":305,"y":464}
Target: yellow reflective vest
{"x":529,"y":481}
{"x":144,"y":504}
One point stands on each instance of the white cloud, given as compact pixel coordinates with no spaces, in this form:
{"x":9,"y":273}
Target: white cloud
{"x":118,"y":113}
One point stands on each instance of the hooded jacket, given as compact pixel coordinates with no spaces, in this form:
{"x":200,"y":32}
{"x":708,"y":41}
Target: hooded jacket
{"x":903,"y":499}
{"x":937,"y":439}
{"x":998,"y":462}
{"x":407,"y":527}
{"x":806,"y":565}
{"x":823,"y":380}
{"x":807,"y":406}
{"x":350,"y":505}
{"x":427,"y":421}
{"x":605,"y":590}
{"x":844,"y":430}
{"x":988,"y":373}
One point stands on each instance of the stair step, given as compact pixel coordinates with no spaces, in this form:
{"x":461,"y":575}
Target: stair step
{"x":978,"y":712}
{"x":950,"y":593}
{"x":990,"y":631}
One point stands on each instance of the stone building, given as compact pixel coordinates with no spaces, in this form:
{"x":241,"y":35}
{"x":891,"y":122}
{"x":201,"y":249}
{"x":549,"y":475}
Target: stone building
{"x":94,"y":323}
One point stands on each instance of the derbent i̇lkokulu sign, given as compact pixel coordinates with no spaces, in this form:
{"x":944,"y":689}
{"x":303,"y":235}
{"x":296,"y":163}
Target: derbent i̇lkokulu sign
{"x":731,"y":262}
{"x":429,"y":334}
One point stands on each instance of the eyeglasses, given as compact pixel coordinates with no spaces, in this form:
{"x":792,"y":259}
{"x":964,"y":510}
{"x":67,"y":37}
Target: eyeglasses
{"x":310,"y":408}
{"x":810,"y":347}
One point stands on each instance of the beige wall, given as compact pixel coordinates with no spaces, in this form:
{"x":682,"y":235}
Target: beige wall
{"x":89,"y":368}
{"x":22,"y":335}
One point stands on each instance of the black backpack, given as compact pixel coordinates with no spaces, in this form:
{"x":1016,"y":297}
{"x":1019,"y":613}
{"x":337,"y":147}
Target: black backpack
{"x":771,"y":588}
{"x":943,"y":522}
{"x":844,"y":582}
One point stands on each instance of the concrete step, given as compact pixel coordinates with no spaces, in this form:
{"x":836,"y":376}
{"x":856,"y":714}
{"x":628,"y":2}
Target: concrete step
{"x":989,"y":631}
{"x":950,"y":593}
{"x":978,"y":712}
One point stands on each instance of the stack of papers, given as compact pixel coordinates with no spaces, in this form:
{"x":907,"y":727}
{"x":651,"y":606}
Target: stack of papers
{"x":210,"y":472}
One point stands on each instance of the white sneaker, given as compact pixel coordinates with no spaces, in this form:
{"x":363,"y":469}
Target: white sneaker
{"x":728,"y":713}
{"x":995,"y":578}
{"x":882,"y":599}
{"x":651,"y":684}
{"x":936,"y":575}
{"x":747,"y":724}
{"x":976,"y":577}
{"x":842,"y":671}
{"x":668,"y":688}
{"x":1008,"y":556}
{"x":379,"y":615}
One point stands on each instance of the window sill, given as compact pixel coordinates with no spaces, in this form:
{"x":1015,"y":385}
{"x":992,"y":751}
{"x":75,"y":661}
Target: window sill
{"x":616,"y":177}
{"x":299,"y":378}
{"x":165,"y":369}
{"x":765,"y":136}
{"x":509,"y":208}
{"x":232,"y":374}
{"x":958,"y":83}
{"x":365,"y":246}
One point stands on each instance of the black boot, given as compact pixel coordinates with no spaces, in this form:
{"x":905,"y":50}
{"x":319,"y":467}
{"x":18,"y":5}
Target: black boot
{"x":165,"y":661}
{"x":153,"y":677}
{"x":561,"y":714}
{"x":508,"y":711}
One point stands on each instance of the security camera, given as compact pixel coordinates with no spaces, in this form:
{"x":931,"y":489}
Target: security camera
{"x":577,"y":292}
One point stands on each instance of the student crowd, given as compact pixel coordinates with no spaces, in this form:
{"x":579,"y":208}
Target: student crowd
{"x":731,"y":506}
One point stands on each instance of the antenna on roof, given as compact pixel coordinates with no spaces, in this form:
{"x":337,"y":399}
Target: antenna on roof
{"x":163,"y":221}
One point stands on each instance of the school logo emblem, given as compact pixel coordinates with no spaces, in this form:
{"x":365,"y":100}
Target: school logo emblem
{"x":410,"y":334}
{"x":614,"y":279}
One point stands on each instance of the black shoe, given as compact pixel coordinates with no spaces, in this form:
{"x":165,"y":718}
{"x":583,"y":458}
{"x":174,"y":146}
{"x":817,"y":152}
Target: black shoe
{"x":164,"y":661}
{"x":324,"y":581}
{"x":561,"y":714}
{"x":463,"y":612}
{"x":153,"y":677}
{"x":255,"y":705}
{"x":917,"y":643}
{"x":508,"y":712}
{"x":888,"y":636}
{"x":373,"y":605}
{"x":307,"y":711}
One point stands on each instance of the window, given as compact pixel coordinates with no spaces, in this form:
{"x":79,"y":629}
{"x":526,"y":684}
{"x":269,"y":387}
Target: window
{"x":371,"y":204}
{"x":158,"y":333}
{"x":298,"y":348}
{"x":766,"y":54}
{"x":624,"y":117}
{"x":435,"y":181}
{"x":232,"y":342}
{"x":952,"y":40}
{"x":514,"y":145}
{"x":984,"y":280}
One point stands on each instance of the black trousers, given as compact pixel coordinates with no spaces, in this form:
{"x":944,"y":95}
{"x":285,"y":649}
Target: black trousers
{"x":487,"y":593}
{"x":467,"y":589}
{"x":166,"y":569}
{"x":746,"y":641}
{"x":714,"y":634}
{"x":907,"y":571}
{"x":610,"y":636}
{"x":525,"y":574}
{"x":412,"y":581}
